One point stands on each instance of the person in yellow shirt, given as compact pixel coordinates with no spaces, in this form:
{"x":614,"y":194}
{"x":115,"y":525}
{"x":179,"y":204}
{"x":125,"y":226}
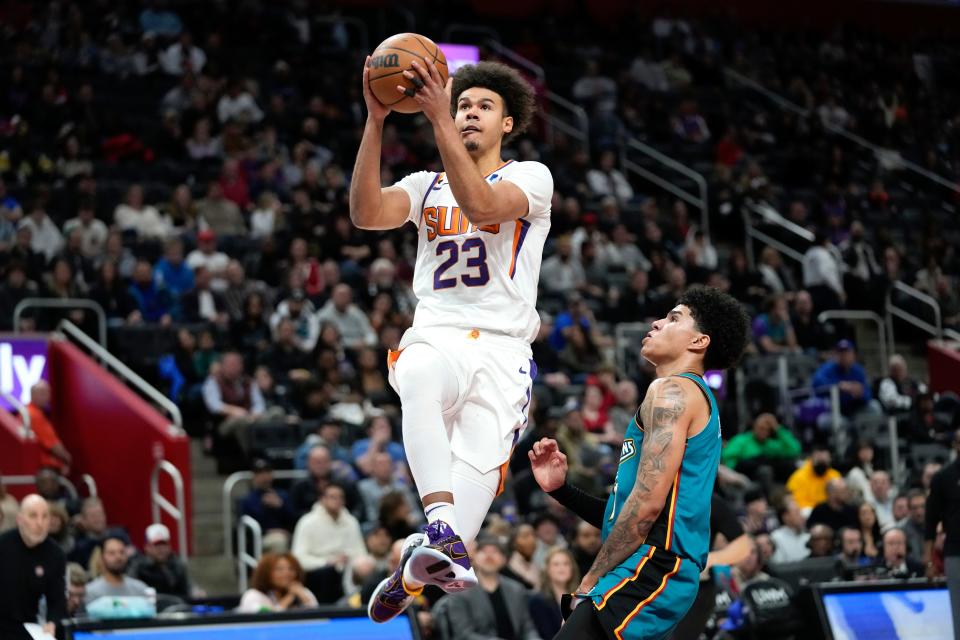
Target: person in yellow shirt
{"x":808,"y":484}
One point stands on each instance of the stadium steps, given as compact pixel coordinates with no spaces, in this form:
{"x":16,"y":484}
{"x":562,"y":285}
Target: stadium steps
{"x":210,"y":568}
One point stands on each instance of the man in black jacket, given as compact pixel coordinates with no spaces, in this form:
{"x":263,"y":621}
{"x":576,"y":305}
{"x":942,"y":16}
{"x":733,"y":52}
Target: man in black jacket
{"x":943,"y":506}
{"x":159,"y":567}
{"x":33,"y":566}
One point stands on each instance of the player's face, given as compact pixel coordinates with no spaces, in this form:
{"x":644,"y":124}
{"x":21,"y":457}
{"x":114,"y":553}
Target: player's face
{"x":672,"y":336}
{"x":481,"y":119}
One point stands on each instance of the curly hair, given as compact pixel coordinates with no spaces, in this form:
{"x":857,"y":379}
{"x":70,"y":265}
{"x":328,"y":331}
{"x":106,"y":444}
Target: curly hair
{"x":262,"y":579}
{"x":722,"y":318}
{"x":518,"y":99}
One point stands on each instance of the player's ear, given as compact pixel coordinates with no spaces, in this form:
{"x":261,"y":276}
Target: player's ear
{"x":507,"y":124}
{"x":700,"y":342}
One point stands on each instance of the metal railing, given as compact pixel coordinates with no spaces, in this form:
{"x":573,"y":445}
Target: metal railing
{"x":698,"y":200}
{"x":21,"y":409}
{"x":247,"y":561}
{"x":126,"y":373}
{"x":893,"y":311}
{"x":159,"y":503}
{"x":878,"y":151}
{"x":771,"y":216}
{"x":851,"y":314}
{"x":231,"y":483}
{"x":895,"y":452}
{"x":63,"y":303}
{"x":64,"y":482}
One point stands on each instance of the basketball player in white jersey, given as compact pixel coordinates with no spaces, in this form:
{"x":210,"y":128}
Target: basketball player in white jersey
{"x":463,"y":370}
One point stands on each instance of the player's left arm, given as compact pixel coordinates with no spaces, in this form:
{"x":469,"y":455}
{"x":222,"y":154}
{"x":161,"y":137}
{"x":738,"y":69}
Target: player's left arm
{"x":481,"y":202}
{"x":666,"y":416}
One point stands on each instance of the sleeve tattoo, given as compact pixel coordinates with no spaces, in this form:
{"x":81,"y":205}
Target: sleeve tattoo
{"x":661,"y":416}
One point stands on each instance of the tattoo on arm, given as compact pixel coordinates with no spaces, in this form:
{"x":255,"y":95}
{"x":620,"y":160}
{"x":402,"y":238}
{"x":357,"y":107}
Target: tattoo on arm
{"x":660,"y":414}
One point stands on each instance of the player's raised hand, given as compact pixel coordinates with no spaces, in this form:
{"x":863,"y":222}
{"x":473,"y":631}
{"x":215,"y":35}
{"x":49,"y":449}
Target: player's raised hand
{"x":549,"y":464}
{"x":432,"y":94}
{"x":377,"y":110}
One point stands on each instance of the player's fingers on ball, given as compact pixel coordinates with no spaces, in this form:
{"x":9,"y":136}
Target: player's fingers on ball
{"x":420,"y":69}
{"x":432,"y":68}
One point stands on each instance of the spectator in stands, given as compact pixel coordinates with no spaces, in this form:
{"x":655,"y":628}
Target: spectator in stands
{"x":269,"y":506}
{"x":750,"y":569}
{"x":869,"y":527}
{"x":688,"y":125}
{"x":822,"y":274}
{"x":77,"y":580}
{"x":8,"y":508}
{"x":379,"y":483}
{"x":183,"y":57}
{"x":881,"y":497}
{"x":299,"y":311}
{"x":862,"y":271}
{"x":520,"y":564}
{"x":768,"y":443}
{"x":60,"y":531}
{"x":16,"y":287}
{"x":606,"y":181}
{"x":201,"y":304}
{"x":561,"y":273}
{"x":113,"y":581}
{"x":250,"y":332}
{"x":497,"y":608}
{"x":379,"y":439}
{"x":322,"y":470}
{"x":586,"y":544}
{"x":791,"y":539}
{"x":159,"y":567}
{"x":49,"y":486}
{"x":897,"y":562}
{"x":913,"y":525}
{"x":350,"y":321}
{"x":850,"y":558}
{"x":836,"y":511}
{"x":52,"y":452}
{"x":284,"y":358}
{"x":756,"y":517}
{"x":560,"y":575}
{"x":324,"y":540}
{"x":809,"y":331}
{"x":845,"y":372}
{"x":238,"y":104}
{"x":119,"y":254}
{"x":232,"y":398}
{"x":898,"y":390}
{"x":822,"y":542}
{"x":201,"y":145}
{"x":110,"y":292}
{"x":45,"y":237}
{"x":220,"y":215}
{"x":93,"y":232}
{"x":276,"y":585}
{"x":153,"y":302}
{"x":172,"y":272}
{"x":776,"y":277}
{"x":901,"y":509}
{"x":329,"y":433}
{"x":949,"y":301}
{"x":808,"y":484}
{"x":143,"y":220}
{"x":772,"y":330}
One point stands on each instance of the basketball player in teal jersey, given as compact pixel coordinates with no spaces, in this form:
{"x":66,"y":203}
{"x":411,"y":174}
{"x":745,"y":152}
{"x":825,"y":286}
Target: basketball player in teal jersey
{"x":656,"y":522}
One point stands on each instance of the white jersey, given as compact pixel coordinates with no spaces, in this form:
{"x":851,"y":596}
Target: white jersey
{"x":479,"y":278}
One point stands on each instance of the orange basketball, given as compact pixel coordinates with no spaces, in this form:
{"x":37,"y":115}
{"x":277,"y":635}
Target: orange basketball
{"x":388,"y":62}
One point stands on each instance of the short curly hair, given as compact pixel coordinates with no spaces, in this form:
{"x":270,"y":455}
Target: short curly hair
{"x":518,"y":98}
{"x":721,"y":317}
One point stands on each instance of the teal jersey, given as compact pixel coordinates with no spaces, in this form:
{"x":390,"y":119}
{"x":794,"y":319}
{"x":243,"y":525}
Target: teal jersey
{"x":683,"y":527}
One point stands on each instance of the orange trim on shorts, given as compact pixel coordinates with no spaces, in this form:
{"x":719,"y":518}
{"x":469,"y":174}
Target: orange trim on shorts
{"x":646,"y":601}
{"x":392,"y":357}
{"x":619,"y":585}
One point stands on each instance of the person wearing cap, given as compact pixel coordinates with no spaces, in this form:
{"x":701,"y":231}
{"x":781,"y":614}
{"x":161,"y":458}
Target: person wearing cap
{"x":845,"y":372}
{"x":159,"y":567}
{"x":298,"y":309}
{"x":206,"y":255}
{"x":498,"y":609}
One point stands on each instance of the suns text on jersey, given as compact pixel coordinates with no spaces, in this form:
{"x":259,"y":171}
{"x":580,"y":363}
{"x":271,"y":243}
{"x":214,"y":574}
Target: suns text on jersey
{"x":450,"y":221}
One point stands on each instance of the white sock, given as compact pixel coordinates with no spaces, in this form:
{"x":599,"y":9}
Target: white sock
{"x":444,"y":511}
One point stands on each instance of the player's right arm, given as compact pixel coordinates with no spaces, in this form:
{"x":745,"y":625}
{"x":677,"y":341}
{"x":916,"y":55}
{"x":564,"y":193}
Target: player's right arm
{"x":371,"y":206}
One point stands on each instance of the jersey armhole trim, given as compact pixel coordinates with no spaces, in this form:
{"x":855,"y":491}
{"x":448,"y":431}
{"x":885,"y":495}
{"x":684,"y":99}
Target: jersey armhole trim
{"x":423,"y":203}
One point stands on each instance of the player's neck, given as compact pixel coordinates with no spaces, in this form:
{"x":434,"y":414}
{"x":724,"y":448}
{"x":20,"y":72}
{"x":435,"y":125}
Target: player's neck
{"x":487,"y":161}
{"x":684,"y":364}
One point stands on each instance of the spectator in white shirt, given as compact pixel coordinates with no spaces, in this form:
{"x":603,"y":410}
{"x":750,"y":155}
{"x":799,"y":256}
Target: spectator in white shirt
{"x":791,"y":538}
{"x":898,"y":390}
{"x":182,"y":57}
{"x":206,"y":255}
{"x":276,"y":585}
{"x":93,"y":232}
{"x":822,"y":274}
{"x":560,"y":273}
{"x":352,"y":323}
{"x":238,"y":104}
{"x":299,"y":310}
{"x":144,"y":219}
{"x":607,"y":180}
{"x":324,"y":540}
{"x":595,"y":90}
{"x":267,"y":217}
{"x":45,"y":237}
{"x":881,"y":497}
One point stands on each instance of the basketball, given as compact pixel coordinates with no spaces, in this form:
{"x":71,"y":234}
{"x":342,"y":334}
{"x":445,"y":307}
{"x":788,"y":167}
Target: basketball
{"x":391,"y":58}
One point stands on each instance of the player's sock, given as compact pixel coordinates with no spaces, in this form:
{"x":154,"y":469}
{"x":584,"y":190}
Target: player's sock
{"x":442,"y":511}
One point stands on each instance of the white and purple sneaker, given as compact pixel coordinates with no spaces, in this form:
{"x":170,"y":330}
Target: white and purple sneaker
{"x":442,"y":561}
{"x":393,"y":595}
